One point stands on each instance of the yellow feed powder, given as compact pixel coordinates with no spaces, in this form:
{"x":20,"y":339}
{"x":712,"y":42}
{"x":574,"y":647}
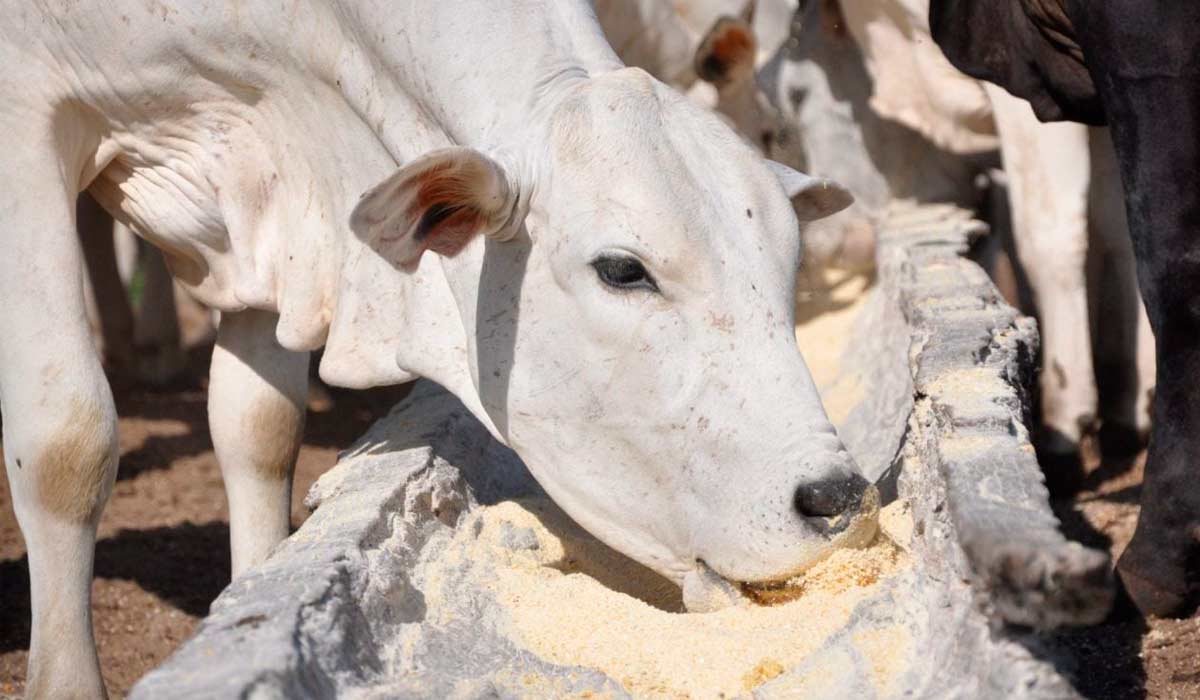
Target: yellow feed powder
{"x":573,"y":601}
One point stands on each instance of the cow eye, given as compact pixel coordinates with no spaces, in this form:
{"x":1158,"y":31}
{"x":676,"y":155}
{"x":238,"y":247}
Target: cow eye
{"x":623,"y":272}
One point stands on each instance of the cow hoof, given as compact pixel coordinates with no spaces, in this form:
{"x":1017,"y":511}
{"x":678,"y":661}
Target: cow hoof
{"x":1150,"y":598}
{"x":1063,"y":472}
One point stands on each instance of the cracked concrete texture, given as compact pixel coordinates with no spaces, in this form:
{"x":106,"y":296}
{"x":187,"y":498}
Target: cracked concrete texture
{"x":344,"y":608}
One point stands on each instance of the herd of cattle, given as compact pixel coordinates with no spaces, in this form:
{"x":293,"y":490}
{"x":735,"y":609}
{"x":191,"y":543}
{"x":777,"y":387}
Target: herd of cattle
{"x":613,"y":261}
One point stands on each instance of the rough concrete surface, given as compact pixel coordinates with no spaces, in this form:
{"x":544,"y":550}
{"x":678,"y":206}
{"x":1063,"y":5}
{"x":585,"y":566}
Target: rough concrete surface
{"x":348,"y":605}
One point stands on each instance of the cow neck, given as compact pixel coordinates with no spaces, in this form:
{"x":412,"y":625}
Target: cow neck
{"x":392,"y":326}
{"x":480,"y":71}
{"x":482,"y":76}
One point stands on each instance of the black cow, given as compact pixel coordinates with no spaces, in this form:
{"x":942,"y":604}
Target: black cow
{"x":1134,"y":64}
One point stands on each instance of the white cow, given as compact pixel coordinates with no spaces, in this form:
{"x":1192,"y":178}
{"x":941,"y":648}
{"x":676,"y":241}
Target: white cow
{"x":669,"y":40}
{"x":610,"y":291}
{"x":705,"y":49}
{"x":1062,"y":182}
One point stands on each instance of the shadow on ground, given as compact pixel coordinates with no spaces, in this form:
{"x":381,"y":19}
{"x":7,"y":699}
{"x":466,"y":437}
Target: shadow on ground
{"x":186,"y":566}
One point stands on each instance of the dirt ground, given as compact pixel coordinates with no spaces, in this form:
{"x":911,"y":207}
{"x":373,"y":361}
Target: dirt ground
{"x":1126,"y":656}
{"x":162,"y":554}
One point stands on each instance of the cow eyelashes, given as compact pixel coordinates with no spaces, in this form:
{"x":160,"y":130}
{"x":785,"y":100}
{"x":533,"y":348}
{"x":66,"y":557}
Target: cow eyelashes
{"x":623,"y":272}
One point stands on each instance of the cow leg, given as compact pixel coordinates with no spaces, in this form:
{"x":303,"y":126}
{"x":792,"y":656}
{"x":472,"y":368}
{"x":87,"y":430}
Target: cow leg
{"x":1153,"y":106}
{"x":1048,"y":171}
{"x":256,"y":398}
{"x":60,"y":437}
{"x":1124,"y":341}
{"x":112,"y":302}
{"x":1161,"y":566}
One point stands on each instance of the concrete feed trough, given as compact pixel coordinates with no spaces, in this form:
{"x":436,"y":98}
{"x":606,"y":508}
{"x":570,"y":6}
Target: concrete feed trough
{"x":433,"y":565}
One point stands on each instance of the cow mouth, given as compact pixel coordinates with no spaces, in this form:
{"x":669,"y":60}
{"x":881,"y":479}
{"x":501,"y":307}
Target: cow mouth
{"x":704,"y":590}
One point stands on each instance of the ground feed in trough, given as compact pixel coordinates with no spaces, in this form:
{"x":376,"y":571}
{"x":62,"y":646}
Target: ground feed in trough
{"x":433,"y":566}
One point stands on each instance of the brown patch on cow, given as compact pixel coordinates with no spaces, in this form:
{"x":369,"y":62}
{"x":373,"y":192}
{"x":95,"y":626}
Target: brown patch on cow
{"x":276,"y":427}
{"x":726,"y":52}
{"x":74,"y":467}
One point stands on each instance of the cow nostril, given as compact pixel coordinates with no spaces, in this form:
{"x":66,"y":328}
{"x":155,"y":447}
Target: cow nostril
{"x":830,"y":497}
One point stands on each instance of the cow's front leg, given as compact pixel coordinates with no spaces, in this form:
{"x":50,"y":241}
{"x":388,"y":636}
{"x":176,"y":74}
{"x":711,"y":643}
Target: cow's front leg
{"x":60,"y":426}
{"x":1161,"y":566}
{"x":1048,"y":170}
{"x":256,"y":400}
{"x":1149,"y":106}
{"x":1124,"y":342}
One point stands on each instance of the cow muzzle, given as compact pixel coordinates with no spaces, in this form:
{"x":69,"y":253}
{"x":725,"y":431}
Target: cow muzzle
{"x":829,"y":504}
{"x":846,"y":511}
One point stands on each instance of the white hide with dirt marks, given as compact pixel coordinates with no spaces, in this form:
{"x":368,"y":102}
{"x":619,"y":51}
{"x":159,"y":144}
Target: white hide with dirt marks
{"x":435,"y":566}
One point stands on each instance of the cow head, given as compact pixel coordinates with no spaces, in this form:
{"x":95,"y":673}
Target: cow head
{"x":626,"y":285}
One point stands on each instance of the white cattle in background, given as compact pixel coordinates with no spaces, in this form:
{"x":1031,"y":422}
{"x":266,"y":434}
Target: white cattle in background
{"x":704,"y":48}
{"x":817,"y":80}
{"x":610,"y":289}
{"x":713,"y":50}
{"x":1062,"y":184}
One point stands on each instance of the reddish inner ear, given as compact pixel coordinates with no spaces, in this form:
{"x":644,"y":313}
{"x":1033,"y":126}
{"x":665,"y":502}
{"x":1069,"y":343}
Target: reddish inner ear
{"x":727,"y":45}
{"x":733,"y":45}
{"x":446,"y":221}
{"x":446,"y":229}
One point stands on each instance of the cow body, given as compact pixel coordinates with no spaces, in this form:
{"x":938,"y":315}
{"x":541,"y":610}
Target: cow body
{"x":1132,"y":65}
{"x":1057,"y":196}
{"x":604,"y":259}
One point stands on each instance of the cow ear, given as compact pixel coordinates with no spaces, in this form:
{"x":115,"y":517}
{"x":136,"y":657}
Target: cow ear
{"x":812,"y":197}
{"x":727,"y":52}
{"x":437,"y":202}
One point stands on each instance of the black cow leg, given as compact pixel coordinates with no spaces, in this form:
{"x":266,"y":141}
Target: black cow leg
{"x":1161,"y":566}
{"x":1141,"y":56}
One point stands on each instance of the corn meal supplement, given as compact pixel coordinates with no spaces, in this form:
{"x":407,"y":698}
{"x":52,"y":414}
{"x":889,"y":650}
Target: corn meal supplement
{"x":572,"y":601}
